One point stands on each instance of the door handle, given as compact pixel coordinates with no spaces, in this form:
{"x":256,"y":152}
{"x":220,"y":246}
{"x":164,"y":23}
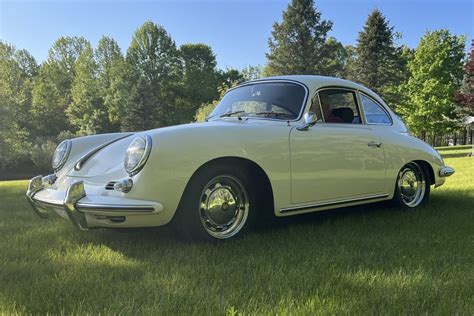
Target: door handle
{"x":374,"y":144}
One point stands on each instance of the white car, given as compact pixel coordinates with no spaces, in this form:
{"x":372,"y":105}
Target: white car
{"x":281,"y":145}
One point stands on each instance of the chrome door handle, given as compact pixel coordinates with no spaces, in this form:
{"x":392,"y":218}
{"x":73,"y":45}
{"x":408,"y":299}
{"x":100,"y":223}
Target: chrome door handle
{"x":374,"y":144}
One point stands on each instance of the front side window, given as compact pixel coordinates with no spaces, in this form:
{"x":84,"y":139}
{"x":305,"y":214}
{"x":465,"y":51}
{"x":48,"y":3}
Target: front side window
{"x":276,"y":100}
{"x":374,"y":113}
{"x":339,"y":106}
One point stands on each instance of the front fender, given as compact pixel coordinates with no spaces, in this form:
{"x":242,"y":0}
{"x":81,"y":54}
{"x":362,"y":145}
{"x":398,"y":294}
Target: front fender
{"x":178,"y":152}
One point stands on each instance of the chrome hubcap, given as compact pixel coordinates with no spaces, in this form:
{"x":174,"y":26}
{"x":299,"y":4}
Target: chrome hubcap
{"x":411,"y":184}
{"x":224,"y":207}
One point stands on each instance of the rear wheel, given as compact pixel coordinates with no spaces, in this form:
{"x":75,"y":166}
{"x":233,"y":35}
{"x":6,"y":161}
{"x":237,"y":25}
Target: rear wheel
{"x":412,"y":187}
{"x":218,"y":203}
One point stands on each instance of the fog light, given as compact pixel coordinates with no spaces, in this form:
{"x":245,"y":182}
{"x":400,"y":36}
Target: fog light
{"x":124,"y":185}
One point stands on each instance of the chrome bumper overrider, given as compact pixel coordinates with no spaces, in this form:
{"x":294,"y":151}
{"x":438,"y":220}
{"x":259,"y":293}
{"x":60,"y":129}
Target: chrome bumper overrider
{"x":446,"y":171}
{"x":75,"y":203}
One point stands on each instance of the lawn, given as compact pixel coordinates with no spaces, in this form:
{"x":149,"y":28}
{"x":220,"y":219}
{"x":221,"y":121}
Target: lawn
{"x":362,"y":260}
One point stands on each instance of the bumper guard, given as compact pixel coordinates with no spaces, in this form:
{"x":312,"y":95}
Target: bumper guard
{"x":74,"y":193}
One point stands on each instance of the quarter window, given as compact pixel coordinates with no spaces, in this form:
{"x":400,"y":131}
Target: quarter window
{"x":374,"y":113}
{"x":339,"y":106}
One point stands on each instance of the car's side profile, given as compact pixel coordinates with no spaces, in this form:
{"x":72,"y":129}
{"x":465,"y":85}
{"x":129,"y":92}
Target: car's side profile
{"x":287,"y":145}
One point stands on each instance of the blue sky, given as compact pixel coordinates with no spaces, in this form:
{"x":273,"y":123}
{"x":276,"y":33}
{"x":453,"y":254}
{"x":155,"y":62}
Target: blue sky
{"x":237,"y":31}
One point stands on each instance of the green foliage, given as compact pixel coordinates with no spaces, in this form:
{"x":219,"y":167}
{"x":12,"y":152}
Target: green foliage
{"x":87,"y":112}
{"x":299,"y":44}
{"x":17,"y":69}
{"x":206,"y":109}
{"x":200,"y":79}
{"x":436,"y":72}
{"x":41,"y":153}
{"x":79,"y":90}
{"x":52,"y":87}
{"x":379,"y":64}
{"x":153,"y":79}
{"x":252,"y":72}
{"x":112,"y":74}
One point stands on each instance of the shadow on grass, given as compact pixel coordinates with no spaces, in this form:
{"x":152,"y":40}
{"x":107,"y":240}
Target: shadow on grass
{"x":364,"y":258}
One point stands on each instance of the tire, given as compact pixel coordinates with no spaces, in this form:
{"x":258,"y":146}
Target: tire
{"x":219,"y":203}
{"x":412,"y":188}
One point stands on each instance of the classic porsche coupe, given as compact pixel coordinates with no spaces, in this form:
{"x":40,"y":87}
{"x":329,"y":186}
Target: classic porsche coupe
{"x":281,"y":146}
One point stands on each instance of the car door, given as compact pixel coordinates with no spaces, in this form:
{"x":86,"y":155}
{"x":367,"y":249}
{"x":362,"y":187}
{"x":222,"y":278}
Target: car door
{"x":340,"y":157}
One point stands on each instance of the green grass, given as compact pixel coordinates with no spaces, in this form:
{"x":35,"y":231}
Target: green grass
{"x":362,"y":260}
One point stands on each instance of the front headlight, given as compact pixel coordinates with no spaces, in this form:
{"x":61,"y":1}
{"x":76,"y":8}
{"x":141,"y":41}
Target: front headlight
{"x":60,"y":154}
{"x":137,"y":154}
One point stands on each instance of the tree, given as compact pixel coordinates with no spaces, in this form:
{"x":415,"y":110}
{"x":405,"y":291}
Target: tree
{"x":153,"y":79}
{"x":252,"y":72}
{"x":298,"y":44}
{"x":52,"y":87}
{"x":378,"y":60}
{"x":205,"y":109}
{"x":436,"y":72}
{"x":112,"y":75}
{"x":465,"y":95}
{"x":199,"y":81}
{"x":17,"y":68}
{"x":87,"y":112}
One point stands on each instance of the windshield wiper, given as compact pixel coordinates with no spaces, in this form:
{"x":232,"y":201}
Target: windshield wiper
{"x":227,"y":114}
{"x":272,"y":113}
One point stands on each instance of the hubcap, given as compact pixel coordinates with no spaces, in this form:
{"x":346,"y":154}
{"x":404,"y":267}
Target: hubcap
{"x":224,"y":207}
{"x":411,"y":184}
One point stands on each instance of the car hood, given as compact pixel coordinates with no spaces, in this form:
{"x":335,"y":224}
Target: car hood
{"x":104,"y":159}
{"x":108,"y":160}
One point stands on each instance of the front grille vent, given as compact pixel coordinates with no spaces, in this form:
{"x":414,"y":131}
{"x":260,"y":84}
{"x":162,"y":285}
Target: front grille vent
{"x":110,"y":185}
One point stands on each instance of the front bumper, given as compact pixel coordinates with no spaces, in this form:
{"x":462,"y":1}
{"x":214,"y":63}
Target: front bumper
{"x":82,"y":209}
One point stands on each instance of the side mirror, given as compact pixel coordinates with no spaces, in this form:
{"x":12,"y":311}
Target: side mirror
{"x":309,"y":119}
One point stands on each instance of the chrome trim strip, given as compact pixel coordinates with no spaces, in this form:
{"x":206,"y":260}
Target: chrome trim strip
{"x":330,"y":203}
{"x":80,"y":163}
{"x":88,"y":208}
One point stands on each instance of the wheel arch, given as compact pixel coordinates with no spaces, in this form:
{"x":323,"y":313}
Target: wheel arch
{"x":257,"y":172}
{"x":428,"y":169}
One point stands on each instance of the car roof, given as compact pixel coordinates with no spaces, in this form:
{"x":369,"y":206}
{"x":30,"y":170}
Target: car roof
{"x":316,"y":82}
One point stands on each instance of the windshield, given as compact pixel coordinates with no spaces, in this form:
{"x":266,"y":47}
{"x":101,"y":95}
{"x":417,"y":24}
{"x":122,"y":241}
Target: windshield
{"x":276,"y":100}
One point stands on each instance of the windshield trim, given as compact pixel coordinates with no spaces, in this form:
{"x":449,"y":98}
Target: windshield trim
{"x":303,"y":106}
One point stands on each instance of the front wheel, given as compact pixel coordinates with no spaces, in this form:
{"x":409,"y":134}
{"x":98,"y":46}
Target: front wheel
{"x":413,"y":186}
{"x":218,"y":204}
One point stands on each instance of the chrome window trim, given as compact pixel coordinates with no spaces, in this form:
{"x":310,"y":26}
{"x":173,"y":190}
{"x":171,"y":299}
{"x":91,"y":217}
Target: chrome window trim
{"x":303,"y":106}
{"x":341,"y":88}
{"x":380,"y":105}
{"x":331,"y":203}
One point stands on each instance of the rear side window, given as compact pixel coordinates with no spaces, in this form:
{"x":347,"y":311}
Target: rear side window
{"x":374,"y":112}
{"x":339,"y":106}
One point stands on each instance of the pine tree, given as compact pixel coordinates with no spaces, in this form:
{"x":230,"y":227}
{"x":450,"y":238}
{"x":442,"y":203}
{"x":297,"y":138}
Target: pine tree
{"x":299,"y":43}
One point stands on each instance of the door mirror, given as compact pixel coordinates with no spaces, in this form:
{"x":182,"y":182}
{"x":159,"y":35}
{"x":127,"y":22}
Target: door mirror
{"x":309,"y":119}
